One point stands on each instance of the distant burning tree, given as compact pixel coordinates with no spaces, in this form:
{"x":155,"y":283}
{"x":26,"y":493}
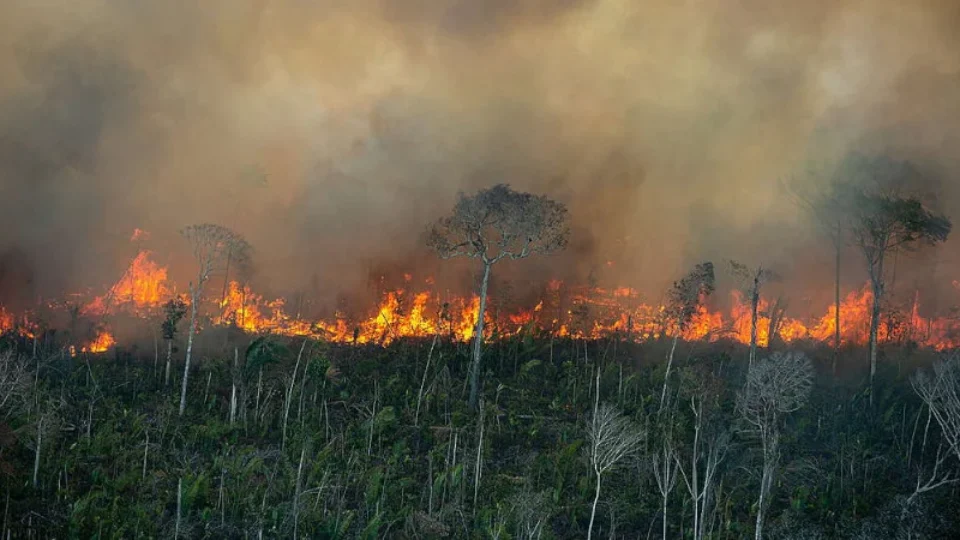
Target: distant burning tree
{"x":879,"y":203}
{"x":684,"y":302}
{"x":492,"y":225}
{"x":213,"y":246}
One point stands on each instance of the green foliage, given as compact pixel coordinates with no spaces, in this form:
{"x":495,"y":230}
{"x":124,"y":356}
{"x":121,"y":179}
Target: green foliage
{"x":368,"y":472}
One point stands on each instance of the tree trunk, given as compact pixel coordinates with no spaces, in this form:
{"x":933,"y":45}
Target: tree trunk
{"x":194,"y":294}
{"x":593,"y":511}
{"x":233,"y":390}
{"x":176,"y":530}
{"x":666,"y":499}
{"x":836,"y":314}
{"x":754,"y":306}
{"x":666,"y":376}
{"x":874,"y":328}
{"x":478,"y":340}
{"x":166,"y":373}
{"x":771,"y":455}
{"x":36,"y":456}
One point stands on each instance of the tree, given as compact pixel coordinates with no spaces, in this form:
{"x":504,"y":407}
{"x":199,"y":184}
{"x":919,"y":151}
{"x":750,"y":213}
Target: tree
{"x":13,"y":382}
{"x":878,"y":200}
{"x":174,"y":311}
{"x":683,"y":302}
{"x":709,"y":446}
{"x":611,"y":437}
{"x":495,"y":224}
{"x":775,"y":387}
{"x":941,"y":394}
{"x":817,"y":195}
{"x":752,"y":281}
{"x":212,"y":245}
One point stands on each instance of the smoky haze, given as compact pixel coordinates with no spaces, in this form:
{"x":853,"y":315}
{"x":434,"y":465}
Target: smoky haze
{"x":331,"y":133}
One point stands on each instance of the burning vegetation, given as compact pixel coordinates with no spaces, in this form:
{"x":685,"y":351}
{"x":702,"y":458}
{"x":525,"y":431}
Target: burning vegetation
{"x":419,"y":309}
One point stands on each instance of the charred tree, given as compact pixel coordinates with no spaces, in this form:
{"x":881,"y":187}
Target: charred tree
{"x":495,"y":224}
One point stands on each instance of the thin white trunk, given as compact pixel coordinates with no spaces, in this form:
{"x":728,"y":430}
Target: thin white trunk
{"x":666,"y":376}
{"x":286,"y":406}
{"x":423,"y":381}
{"x":479,"y":464}
{"x":194,"y":298}
{"x":478,"y":340}
{"x":176,"y":530}
{"x":36,"y":455}
{"x":146,"y":446}
{"x":593,"y":509}
{"x":233,"y":389}
{"x":296,"y":494}
{"x":166,"y":373}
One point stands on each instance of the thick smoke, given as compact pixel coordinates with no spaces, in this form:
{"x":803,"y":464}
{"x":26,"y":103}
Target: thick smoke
{"x":330,"y":133}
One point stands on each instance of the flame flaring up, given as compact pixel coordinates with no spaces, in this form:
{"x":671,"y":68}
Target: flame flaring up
{"x":588,"y":313}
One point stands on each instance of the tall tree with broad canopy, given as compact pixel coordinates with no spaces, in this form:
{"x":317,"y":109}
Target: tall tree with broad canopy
{"x":213,"y":245}
{"x":881,"y":203}
{"x":495,"y":224}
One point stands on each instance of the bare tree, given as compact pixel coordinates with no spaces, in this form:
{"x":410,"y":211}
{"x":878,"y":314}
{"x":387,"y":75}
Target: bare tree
{"x":707,"y":450}
{"x":683,"y":301}
{"x":882,"y":209}
{"x":14,"y":382}
{"x":612,"y":437}
{"x":941,"y":394}
{"x":212,"y":246}
{"x":665,"y":463}
{"x":751,"y":282}
{"x":775,"y":387}
{"x":495,"y":224}
{"x":530,"y":512}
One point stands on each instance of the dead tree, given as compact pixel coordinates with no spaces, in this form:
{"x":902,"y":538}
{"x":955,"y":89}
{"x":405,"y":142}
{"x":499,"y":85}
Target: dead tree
{"x":612,"y":437}
{"x":14,"y":383}
{"x":775,"y":387}
{"x":495,"y":224}
{"x":683,"y":302}
{"x":941,"y":394}
{"x":699,"y":470}
{"x":212,"y":246}
{"x":751,"y":282}
{"x":664,"y":462}
{"x":883,"y":212}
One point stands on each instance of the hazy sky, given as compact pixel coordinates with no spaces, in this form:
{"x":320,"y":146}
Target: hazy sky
{"x":331,"y":132}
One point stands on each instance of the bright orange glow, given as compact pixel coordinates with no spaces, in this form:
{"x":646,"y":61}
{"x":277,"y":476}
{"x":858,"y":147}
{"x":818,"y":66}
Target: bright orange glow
{"x":142,"y":287}
{"x":101,"y":343}
{"x":562,"y":311}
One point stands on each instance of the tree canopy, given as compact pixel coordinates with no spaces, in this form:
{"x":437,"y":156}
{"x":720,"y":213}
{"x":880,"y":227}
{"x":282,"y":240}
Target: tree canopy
{"x":498,"y":223}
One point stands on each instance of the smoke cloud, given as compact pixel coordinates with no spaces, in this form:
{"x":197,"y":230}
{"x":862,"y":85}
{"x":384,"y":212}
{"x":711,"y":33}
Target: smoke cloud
{"x":330,"y":133}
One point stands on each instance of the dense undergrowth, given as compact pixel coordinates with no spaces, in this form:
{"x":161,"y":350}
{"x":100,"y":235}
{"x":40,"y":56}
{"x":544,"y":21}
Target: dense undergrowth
{"x":373,"y":442}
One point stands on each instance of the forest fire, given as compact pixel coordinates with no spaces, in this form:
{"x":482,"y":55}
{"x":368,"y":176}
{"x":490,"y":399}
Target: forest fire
{"x":563,"y":311}
{"x":142,"y":287}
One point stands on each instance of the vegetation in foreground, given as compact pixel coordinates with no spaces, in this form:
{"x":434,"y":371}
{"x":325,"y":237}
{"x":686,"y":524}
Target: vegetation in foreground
{"x":302,"y":439}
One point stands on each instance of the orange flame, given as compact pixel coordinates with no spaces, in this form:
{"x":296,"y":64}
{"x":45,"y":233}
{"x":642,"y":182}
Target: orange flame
{"x":101,"y":343}
{"x":142,"y":287}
